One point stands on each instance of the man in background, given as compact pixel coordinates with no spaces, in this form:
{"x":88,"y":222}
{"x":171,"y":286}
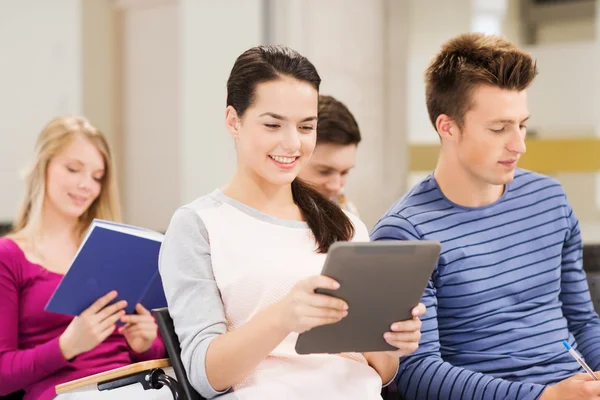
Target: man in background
{"x":338,"y":137}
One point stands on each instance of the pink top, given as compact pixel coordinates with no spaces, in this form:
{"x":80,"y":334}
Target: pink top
{"x":30,"y":358}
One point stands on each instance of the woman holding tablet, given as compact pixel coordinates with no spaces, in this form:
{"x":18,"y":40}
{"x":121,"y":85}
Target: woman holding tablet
{"x":240,"y":265}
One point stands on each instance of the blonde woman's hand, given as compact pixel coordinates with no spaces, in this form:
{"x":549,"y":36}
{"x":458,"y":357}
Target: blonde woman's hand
{"x":140,"y":330}
{"x":92,"y":326}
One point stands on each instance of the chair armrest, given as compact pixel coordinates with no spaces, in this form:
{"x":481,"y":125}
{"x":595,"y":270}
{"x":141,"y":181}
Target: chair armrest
{"x":113,"y":374}
{"x":167,"y":331}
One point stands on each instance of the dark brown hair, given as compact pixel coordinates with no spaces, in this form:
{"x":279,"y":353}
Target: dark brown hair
{"x":260,"y":64}
{"x":467,"y":61}
{"x":336,"y":123}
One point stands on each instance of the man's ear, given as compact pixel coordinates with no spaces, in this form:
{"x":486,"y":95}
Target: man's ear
{"x":232,"y":121}
{"x":447,"y":128}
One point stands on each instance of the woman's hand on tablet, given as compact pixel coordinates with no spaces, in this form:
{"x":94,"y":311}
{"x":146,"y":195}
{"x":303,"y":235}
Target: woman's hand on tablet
{"x":405,"y":335}
{"x":303,"y":309}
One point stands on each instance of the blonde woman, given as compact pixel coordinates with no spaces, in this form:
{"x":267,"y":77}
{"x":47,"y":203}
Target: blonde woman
{"x":71,"y":182}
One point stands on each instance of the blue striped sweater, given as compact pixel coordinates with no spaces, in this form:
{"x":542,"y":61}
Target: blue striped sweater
{"x":508,"y":288}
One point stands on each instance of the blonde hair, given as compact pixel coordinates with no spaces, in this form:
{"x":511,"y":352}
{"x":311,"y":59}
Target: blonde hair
{"x":55,"y":136}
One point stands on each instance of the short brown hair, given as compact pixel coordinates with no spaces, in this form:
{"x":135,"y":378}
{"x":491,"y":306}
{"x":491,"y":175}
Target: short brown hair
{"x":336,"y":123}
{"x":467,"y":61}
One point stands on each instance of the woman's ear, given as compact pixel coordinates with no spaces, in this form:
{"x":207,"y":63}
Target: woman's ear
{"x":232,"y":121}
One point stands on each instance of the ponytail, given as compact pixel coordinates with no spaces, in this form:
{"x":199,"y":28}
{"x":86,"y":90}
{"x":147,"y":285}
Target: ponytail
{"x":325,"y":219}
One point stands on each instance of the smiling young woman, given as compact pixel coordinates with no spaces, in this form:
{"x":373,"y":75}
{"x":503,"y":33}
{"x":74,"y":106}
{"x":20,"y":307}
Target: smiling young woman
{"x":248,"y":256}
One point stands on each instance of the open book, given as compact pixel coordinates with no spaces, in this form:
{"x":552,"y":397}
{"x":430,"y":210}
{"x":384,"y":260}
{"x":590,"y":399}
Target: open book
{"x":112,"y":257}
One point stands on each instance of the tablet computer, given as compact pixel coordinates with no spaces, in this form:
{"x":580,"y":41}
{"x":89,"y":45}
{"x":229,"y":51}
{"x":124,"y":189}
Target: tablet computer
{"x":381,"y":282}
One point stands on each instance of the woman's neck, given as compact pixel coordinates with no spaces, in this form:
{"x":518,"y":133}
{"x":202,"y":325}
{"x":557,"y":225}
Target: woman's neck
{"x":56,"y":226}
{"x":276,"y":200}
{"x":53,"y":242}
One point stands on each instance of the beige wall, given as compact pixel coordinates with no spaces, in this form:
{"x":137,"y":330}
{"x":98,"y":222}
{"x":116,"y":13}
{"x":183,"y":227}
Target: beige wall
{"x":100,"y":66}
{"x":200,"y":153}
{"x":40,"y":77}
{"x":214,"y":34}
{"x":567,"y":31}
{"x":150,"y":121}
{"x":152,"y":75}
{"x":176,"y":57}
{"x":364,"y":68}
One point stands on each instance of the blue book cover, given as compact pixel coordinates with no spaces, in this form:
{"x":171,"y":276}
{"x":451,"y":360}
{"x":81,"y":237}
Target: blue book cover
{"x":112,"y":257}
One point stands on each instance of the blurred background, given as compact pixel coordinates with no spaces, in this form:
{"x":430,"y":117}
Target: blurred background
{"x":151,"y":74}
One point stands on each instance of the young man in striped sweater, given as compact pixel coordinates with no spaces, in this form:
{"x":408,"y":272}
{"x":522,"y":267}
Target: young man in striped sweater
{"x":509,"y":286}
